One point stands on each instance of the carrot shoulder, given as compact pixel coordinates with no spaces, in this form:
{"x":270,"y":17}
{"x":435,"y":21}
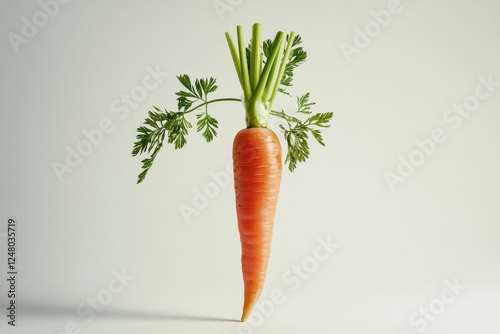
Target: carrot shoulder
{"x":257,"y":177}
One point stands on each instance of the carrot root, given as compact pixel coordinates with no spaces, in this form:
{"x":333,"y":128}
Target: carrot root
{"x":257,"y":177}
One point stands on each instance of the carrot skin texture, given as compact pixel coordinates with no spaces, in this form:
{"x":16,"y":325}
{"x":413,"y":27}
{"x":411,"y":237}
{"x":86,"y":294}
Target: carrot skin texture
{"x":257,"y":170}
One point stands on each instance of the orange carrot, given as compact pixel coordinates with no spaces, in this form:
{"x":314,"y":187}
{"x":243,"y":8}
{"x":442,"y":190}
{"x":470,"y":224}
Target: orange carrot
{"x":264,"y":69}
{"x":257,"y":177}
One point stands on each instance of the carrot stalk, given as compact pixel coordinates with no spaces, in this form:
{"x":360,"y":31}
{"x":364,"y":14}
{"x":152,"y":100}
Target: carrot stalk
{"x":257,"y":177}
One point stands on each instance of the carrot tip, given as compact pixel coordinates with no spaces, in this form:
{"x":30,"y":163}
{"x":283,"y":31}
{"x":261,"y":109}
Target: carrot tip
{"x":248,"y":306}
{"x":245,"y":315}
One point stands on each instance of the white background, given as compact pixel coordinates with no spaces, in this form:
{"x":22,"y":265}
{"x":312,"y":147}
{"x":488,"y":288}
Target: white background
{"x":397,"y":246}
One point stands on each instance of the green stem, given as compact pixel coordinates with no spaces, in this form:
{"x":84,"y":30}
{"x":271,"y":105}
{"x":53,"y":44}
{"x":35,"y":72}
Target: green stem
{"x":288,"y":118}
{"x":270,"y":64}
{"x":271,"y":84}
{"x":260,"y":81}
{"x":284,"y":61}
{"x":236,"y":59}
{"x":255,"y":59}
{"x":233,"y":99}
{"x":243,"y":64}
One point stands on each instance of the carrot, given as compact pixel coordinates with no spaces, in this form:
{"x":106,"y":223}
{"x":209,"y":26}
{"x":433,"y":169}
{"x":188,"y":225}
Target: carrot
{"x":263,"y":69}
{"x":257,"y":176}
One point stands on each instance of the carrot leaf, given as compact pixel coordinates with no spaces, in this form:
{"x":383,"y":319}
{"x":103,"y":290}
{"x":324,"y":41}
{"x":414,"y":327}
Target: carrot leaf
{"x":160,"y":124}
{"x":198,"y":91}
{"x":207,"y":125}
{"x":174,"y":125}
{"x":296,"y":131}
{"x":264,"y":68}
{"x":304,"y":106}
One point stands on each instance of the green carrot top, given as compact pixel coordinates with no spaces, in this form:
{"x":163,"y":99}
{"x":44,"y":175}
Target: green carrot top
{"x":264,"y":68}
